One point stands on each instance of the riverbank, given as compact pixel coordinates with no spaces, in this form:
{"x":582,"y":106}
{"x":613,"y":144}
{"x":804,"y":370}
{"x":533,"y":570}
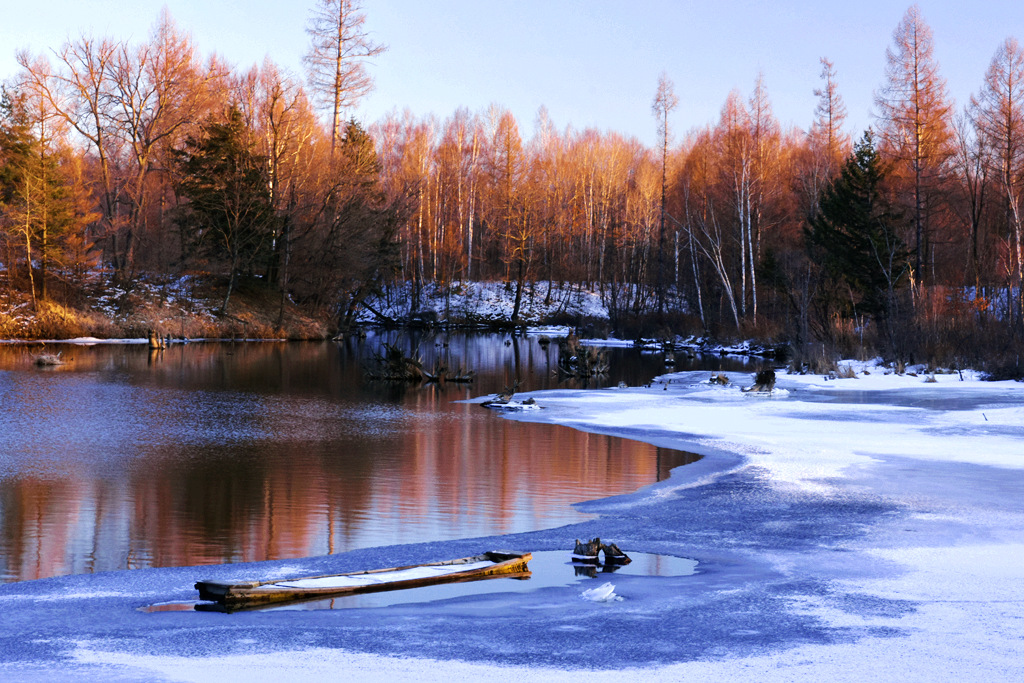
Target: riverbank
{"x":190,"y":308}
{"x":850,"y":528}
{"x":186,"y":308}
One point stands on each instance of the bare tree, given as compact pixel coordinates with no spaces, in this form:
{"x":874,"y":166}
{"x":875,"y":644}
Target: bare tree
{"x":735,"y":170}
{"x":826,"y":144}
{"x":971,"y":161}
{"x":665,"y":101}
{"x":509,"y":168}
{"x":78,"y":92}
{"x":914,"y":117}
{"x":1000,"y":118}
{"x":336,"y":58}
{"x":766,"y":185}
{"x":829,"y":115}
{"x":157,"y":91}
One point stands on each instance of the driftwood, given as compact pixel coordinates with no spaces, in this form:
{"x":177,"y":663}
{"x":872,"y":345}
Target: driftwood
{"x":503,"y":397}
{"x":260,"y":593}
{"x":441,"y":373}
{"x":394,"y":366}
{"x":612,"y":554}
{"x":719,"y":379}
{"x":47,"y":360}
{"x":764,"y":381}
{"x":577,"y":360}
{"x":588,"y":552}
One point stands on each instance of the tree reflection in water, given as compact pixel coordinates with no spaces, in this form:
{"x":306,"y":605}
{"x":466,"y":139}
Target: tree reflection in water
{"x":216,"y":452}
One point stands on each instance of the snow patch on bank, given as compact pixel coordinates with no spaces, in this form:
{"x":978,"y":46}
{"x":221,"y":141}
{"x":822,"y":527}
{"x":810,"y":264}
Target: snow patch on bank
{"x":486,"y":301}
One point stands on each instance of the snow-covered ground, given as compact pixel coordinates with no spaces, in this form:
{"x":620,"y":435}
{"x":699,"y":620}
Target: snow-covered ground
{"x":846,"y":530}
{"x":489,"y":301}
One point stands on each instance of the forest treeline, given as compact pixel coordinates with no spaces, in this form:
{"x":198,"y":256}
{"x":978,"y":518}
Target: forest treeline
{"x":148,"y":160}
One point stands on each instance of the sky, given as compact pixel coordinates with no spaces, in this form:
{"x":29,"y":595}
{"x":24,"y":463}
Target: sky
{"x":591,"y":63}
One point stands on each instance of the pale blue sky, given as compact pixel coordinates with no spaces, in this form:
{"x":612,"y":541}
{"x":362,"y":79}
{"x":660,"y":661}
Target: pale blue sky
{"x":591,"y":63}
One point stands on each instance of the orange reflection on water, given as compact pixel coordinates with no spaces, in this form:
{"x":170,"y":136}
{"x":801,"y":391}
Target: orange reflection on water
{"x":214,"y":454}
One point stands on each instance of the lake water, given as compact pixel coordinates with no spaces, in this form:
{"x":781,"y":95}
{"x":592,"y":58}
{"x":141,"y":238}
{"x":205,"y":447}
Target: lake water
{"x":218,"y":452}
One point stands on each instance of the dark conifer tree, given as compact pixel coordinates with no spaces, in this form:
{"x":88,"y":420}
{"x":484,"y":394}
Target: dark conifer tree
{"x":856,"y":236}
{"x":229,"y":215}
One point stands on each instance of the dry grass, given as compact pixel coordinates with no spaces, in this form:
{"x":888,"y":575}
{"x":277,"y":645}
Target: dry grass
{"x":815,"y":359}
{"x":254,"y":314}
{"x":845,"y":371}
{"x":55,"y":321}
{"x":9,"y":326}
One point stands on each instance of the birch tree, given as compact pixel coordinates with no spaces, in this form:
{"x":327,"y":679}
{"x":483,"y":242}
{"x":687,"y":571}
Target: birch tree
{"x":1000,"y":119}
{"x":735,"y":170}
{"x":706,"y":234}
{"x":665,"y":101}
{"x":766,"y":177}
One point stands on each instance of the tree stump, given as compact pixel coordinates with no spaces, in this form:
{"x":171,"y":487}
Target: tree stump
{"x":612,"y":554}
{"x":587,"y":551}
{"x":764,"y":381}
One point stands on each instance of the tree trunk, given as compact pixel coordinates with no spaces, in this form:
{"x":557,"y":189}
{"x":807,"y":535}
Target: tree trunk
{"x":520,"y":280}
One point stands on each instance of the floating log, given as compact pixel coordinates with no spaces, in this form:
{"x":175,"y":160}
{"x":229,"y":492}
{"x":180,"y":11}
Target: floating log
{"x":248,"y":594}
{"x":503,"y":397}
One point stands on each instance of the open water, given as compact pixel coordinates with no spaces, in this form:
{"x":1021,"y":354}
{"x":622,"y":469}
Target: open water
{"x":233,"y":452}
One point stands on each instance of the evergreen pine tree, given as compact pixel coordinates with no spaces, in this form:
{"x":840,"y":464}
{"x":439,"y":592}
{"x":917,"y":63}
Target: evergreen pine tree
{"x":229,"y":215}
{"x":856,"y":235}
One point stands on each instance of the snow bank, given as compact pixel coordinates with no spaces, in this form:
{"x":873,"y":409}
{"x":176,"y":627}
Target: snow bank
{"x":487,"y":301}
